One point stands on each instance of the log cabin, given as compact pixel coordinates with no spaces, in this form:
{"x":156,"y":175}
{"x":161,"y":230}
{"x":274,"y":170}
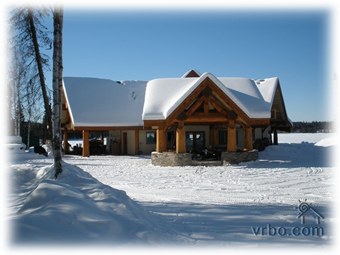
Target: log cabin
{"x":183,"y":116}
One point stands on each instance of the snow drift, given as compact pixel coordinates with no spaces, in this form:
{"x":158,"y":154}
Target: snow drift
{"x":78,"y":208}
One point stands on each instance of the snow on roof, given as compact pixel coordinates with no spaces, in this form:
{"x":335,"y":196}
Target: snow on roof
{"x":103,"y":102}
{"x":163,"y":96}
{"x":246,"y":95}
{"x":267,"y":87}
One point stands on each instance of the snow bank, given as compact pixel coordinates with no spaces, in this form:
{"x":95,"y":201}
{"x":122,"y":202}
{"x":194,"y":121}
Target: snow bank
{"x":14,"y":144}
{"x":13,"y":139}
{"x":303,"y":137}
{"x":327,"y":142}
{"x":78,"y":208}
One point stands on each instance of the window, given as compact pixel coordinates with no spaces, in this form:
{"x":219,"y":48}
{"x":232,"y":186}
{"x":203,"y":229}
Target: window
{"x":150,"y":137}
{"x":171,"y":140}
{"x":222,"y":137}
{"x":195,"y":141}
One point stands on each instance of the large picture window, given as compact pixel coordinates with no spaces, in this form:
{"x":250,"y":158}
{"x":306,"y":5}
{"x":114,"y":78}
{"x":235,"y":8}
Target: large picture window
{"x":150,"y":137}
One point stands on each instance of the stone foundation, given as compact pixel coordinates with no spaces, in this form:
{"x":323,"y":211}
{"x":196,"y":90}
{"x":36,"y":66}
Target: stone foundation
{"x":171,"y":159}
{"x":238,"y":157}
{"x":184,"y":159}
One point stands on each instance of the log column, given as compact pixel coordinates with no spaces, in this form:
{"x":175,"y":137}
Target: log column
{"x":213,"y":136}
{"x":86,"y":144}
{"x":180,"y":138}
{"x":160,"y":140}
{"x":275,"y":137}
{"x":248,"y":138}
{"x":136,"y":142}
{"x":231,"y":147}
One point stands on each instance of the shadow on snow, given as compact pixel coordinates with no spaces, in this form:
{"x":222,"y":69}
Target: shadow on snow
{"x":235,"y":224}
{"x":294,"y":156}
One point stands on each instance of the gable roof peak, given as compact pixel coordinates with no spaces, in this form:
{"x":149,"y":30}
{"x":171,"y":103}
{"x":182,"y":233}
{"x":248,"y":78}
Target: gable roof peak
{"x":192,"y":73}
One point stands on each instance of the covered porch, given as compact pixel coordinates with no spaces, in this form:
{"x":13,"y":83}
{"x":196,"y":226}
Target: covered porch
{"x":206,"y":122}
{"x":187,"y":143}
{"x":202,"y":144}
{"x":189,"y":138}
{"x":105,"y":141}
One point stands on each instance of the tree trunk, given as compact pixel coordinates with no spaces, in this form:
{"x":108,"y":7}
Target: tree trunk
{"x":57,"y":81}
{"x":28,"y":134}
{"x":41,"y":73}
{"x":18,"y":113}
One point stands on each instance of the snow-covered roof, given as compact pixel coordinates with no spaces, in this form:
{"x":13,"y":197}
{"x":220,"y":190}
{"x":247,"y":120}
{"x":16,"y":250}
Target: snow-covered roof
{"x":103,"y":102}
{"x":163,"y":96}
{"x":96,"y":102}
{"x":267,"y":87}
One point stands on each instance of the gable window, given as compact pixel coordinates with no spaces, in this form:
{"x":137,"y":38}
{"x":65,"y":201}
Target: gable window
{"x":150,"y":137}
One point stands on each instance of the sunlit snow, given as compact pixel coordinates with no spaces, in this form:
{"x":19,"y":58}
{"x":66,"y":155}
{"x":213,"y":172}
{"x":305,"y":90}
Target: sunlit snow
{"x":126,"y":200}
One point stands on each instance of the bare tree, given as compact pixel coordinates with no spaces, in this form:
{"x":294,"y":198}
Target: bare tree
{"x":31,"y":100}
{"x":30,"y":36}
{"x":57,"y":81}
{"x":17,"y":78}
{"x":25,"y":96}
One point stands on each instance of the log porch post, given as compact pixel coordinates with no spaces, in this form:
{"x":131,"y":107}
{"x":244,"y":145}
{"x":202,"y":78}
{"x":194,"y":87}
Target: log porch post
{"x":136,"y":141}
{"x":86,"y":144}
{"x":160,"y":140}
{"x":231,"y":147}
{"x":248,"y":138}
{"x":275,"y":137}
{"x":180,"y":138}
{"x":213,"y":136}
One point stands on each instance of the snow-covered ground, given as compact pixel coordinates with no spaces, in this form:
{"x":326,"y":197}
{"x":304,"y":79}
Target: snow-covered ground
{"x":76,"y":208}
{"x":226,"y":205}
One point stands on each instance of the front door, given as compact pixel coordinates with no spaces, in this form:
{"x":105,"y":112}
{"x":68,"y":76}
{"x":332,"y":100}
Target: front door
{"x":195,"y":141}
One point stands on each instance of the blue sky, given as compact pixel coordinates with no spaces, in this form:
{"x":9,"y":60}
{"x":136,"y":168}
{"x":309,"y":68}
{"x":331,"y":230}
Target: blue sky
{"x":131,"y":45}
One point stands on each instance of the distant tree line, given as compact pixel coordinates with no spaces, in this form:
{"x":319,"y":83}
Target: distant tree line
{"x":313,"y":127}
